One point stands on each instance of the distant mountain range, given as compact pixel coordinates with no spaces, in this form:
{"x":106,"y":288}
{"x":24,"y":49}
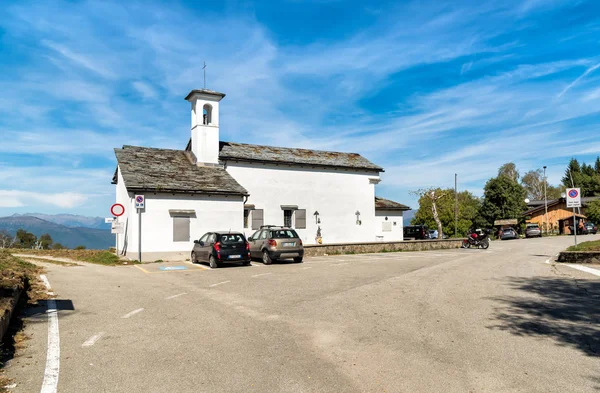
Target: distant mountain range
{"x":70,"y":220}
{"x":91,"y":236}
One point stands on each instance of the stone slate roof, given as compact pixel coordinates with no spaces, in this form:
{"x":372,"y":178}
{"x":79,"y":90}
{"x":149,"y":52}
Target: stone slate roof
{"x":285,"y":155}
{"x":386,"y":204}
{"x":164,"y":170}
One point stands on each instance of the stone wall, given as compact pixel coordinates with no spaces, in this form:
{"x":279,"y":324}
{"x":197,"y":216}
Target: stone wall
{"x":363,"y":248}
{"x":579,"y":257}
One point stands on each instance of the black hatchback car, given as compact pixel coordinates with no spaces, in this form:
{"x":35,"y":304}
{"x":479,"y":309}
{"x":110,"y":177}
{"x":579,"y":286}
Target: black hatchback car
{"x":417,"y":232}
{"x":217,"y":248}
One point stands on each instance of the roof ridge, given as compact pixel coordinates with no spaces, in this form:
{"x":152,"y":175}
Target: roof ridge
{"x":291,"y":148}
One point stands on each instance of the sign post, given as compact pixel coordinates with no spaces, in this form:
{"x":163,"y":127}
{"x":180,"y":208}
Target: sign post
{"x":140,"y":204}
{"x":574,"y":200}
{"x":117,"y":210}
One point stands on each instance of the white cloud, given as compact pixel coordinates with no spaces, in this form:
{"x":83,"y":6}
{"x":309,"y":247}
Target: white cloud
{"x":81,"y":60}
{"x":17,"y":198}
{"x":147,"y":91}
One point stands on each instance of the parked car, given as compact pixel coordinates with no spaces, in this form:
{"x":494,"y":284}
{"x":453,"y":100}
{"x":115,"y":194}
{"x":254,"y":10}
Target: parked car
{"x":433,"y":234}
{"x":508,"y":233}
{"x":533,"y":230}
{"x":271,"y":243}
{"x":416,"y":232}
{"x":217,"y":248}
{"x":591,"y":228}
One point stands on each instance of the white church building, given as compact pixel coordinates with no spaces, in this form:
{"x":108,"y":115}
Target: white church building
{"x":214,"y":185}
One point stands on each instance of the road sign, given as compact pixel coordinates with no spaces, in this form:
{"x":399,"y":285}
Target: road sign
{"x":117,"y":210}
{"x":573,"y":197}
{"x":108,"y":220}
{"x":116,"y":227}
{"x":140,"y":202}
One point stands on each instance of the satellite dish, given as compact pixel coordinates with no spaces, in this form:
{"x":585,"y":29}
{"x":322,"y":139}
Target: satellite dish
{"x":527,"y":200}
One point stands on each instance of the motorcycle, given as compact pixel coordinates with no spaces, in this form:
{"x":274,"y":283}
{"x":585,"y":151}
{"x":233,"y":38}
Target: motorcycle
{"x":477,"y":240}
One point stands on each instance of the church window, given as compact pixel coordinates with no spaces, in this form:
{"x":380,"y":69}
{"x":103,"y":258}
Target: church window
{"x":207,"y":114}
{"x":287,"y":218}
{"x":246,"y":217}
{"x":257,"y":218}
{"x":181,"y":228}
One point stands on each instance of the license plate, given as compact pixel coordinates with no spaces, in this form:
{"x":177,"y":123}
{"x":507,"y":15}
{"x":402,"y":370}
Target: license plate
{"x":234,"y":256}
{"x":289,"y":244}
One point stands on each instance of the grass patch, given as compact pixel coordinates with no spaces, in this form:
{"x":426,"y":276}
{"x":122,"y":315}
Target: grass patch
{"x":100,"y":257}
{"x":586,"y":246}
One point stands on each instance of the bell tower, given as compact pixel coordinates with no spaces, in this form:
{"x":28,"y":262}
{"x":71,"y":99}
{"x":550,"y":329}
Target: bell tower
{"x":205,"y":125}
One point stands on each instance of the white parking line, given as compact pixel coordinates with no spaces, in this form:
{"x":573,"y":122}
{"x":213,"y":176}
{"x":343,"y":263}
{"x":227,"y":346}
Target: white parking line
{"x":50,"y":382}
{"x":586,"y":269}
{"x":308,"y":267}
{"x":339,"y":264}
{"x":257,"y":264}
{"x":262,"y":274}
{"x":132,"y":313}
{"x":92,"y":340}
{"x":219,"y":283}
{"x":174,"y":296}
{"x":45,"y":281}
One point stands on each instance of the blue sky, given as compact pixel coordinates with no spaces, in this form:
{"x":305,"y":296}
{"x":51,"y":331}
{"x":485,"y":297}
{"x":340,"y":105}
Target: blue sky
{"x":425,"y":89}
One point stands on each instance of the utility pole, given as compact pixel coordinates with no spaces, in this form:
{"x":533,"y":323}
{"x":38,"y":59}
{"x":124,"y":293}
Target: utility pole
{"x":545,"y":201}
{"x":456,"y":205}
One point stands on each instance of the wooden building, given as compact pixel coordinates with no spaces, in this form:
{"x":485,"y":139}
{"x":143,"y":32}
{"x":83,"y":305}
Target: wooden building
{"x":559,"y":218}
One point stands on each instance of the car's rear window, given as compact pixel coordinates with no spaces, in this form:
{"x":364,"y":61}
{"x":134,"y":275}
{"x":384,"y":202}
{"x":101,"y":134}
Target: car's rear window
{"x":232,"y":238}
{"x":508,"y":230}
{"x":284,"y":234}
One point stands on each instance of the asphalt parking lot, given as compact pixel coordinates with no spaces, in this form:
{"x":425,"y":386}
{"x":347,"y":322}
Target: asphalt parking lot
{"x":504,"y":319}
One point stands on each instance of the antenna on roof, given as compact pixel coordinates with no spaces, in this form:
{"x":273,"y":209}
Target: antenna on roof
{"x":204,"y":68}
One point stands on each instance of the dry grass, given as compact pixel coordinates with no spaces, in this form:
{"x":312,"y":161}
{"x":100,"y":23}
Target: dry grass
{"x":101,"y":257}
{"x":4,"y":382}
{"x":14,"y":270}
{"x":35,"y":258}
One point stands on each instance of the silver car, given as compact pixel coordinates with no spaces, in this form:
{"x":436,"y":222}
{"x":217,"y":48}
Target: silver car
{"x":271,"y":243}
{"x":533,"y":230}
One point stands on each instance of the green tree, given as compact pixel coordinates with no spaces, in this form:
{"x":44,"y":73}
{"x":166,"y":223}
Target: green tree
{"x":509,"y":170}
{"x":468,"y":211}
{"x":592,"y":212}
{"x":533,"y":182}
{"x":80,"y":248}
{"x":46,"y":241}
{"x":58,"y":246}
{"x":25,"y":239}
{"x":584,"y":176}
{"x":503,"y":199}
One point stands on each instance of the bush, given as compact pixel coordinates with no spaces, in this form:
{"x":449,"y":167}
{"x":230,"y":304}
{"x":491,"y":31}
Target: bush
{"x":58,"y":246}
{"x":79,"y":248}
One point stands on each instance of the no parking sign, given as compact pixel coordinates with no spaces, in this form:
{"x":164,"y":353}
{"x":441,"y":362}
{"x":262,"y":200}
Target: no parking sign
{"x":139,"y":202}
{"x":573,"y":197}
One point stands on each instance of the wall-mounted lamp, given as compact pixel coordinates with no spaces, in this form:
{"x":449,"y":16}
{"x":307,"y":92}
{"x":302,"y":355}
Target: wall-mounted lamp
{"x":317,"y":219}
{"x":358,"y":222}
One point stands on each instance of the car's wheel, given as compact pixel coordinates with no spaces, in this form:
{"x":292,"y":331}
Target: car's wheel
{"x":247,"y":263}
{"x":193,"y":257}
{"x":266,"y":258}
{"x":298,"y":259}
{"x":213,"y":262}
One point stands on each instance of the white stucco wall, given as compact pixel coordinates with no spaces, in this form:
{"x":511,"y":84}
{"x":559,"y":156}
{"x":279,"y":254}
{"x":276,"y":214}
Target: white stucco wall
{"x":335,"y":194}
{"x":396,"y":233}
{"x":212,"y":213}
{"x":124,"y":198}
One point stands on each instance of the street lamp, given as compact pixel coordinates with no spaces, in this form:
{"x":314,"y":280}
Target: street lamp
{"x":545,"y":201}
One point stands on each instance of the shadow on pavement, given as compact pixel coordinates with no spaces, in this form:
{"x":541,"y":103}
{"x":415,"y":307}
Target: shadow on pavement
{"x":564,"y":309}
